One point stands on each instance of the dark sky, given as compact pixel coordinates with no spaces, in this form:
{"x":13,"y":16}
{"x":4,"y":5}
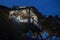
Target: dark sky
{"x":47,"y":7}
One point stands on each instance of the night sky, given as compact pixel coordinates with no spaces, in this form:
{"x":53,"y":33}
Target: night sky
{"x":46,"y":7}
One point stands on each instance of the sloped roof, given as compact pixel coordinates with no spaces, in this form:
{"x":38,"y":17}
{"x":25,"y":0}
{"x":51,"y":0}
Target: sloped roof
{"x":2,"y":8}
{"x":39,"y":14}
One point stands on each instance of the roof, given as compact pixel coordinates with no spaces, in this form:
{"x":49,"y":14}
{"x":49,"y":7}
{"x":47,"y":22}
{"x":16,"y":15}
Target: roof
{"x":39,"y":14}
{"x":3,"y":8}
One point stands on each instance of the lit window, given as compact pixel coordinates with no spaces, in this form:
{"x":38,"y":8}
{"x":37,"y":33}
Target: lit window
{"x":23,"y":16}
{"x":34,"y":18}
{"x":19,"y":15}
